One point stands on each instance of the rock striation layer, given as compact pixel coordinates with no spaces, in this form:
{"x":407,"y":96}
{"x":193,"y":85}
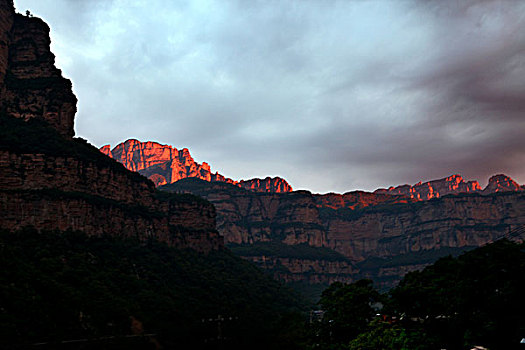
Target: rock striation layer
{"x":164,"y":164}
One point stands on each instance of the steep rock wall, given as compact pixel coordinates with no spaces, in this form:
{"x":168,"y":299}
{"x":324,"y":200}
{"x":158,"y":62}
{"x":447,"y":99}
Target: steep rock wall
{"x":32,"y":86}
{"x":358,"y":225}
{"x":455,"y":221}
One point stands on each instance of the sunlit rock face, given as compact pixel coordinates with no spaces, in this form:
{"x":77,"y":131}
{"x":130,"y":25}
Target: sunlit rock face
{"x":31,"y":85}
{"x":434,"y":189}
{"x":502,"y":183}
{"x":164,"y":164}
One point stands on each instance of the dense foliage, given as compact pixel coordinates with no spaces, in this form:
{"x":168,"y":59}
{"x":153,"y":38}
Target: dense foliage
{"x":476,"y":299}
{"x":348,"y":309}
{"x":57,"y":286}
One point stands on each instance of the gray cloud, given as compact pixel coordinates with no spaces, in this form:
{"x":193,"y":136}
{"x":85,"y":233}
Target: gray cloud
{"x":332,"y":95}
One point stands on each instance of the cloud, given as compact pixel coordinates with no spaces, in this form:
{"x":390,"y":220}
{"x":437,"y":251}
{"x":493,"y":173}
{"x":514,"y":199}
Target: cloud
{"x":332,"y":95}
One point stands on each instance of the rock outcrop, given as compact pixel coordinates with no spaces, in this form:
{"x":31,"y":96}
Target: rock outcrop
{"x":268,"y":184}
{"x":501,"y":183}
{"x":453,"y":184}
{"x":31,"y":85}
{"x":434,"y":189}
{"x":164,"y":164}
{"x":50,"y":180}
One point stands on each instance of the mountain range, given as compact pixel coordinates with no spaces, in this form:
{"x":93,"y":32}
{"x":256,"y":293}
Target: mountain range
{"x":322,"y":238}
{"x":164,"y":164}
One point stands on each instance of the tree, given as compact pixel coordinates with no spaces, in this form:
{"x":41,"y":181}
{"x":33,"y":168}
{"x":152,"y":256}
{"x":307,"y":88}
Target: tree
{"x":385,"y":336}
{"x":348,"y":310}
{"x":475,"y":299}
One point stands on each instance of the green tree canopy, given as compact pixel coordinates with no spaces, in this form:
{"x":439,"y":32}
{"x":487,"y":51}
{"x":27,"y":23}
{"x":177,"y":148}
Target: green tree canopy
{"x":348,"y":310}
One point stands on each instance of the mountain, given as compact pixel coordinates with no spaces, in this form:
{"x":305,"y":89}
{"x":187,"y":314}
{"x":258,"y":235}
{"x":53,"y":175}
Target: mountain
{"x":164,"y":164}
{"x":92,"y":254}
{"x":312,"y":238}
{"x":451,"y":185}
{"x":51,"y":181}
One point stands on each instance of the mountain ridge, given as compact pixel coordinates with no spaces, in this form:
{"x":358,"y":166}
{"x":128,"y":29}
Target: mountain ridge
{"x":164,"y":164}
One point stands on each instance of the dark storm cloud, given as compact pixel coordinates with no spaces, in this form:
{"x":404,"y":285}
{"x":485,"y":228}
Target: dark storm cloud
{"x":332,"y":95}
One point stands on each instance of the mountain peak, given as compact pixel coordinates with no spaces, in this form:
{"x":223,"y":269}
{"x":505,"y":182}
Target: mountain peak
{"x":164,"y":164}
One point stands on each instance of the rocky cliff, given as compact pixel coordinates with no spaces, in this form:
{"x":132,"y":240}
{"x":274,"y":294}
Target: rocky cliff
{"x":50,"y":180}
{"x":364,"y":228}
{"x":164,"y":164}
{"x":31,"y":85}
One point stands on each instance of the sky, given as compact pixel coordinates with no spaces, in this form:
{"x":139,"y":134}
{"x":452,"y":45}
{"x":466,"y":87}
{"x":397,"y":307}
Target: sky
{"x":331,"y":95}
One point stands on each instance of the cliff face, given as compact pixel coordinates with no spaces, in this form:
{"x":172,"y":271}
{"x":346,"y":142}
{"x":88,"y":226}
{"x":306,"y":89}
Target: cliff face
{"x":32,"y":87}
{"x":456,"y":221}
{"x":453,"y":184}
{"x":51,"y":181}
{"x":361,"y":226}
{"x":164,"y":164}
{"x":246,"y":217}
